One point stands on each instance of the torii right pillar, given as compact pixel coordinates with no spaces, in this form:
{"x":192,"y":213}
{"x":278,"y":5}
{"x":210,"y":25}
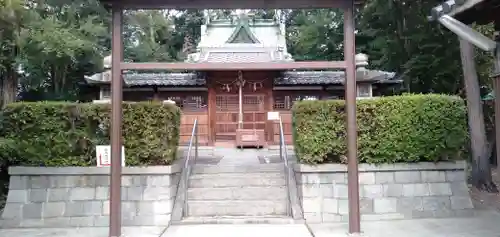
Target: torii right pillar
{"x":496,"y":84}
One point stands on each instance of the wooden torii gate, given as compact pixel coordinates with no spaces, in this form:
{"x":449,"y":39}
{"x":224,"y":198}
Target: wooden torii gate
{"x":480,"y":12}
{"x":118,"y":65}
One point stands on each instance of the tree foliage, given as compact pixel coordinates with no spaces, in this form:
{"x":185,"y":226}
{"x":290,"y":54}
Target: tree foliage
{"x":60,"y":39}
{"x":11,"y":22}
{"x":56,"y":43}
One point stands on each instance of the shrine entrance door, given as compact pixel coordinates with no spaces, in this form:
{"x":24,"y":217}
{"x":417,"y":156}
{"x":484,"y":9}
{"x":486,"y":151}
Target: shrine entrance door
{"x":227,"y":113}
{"x":227,"y":108}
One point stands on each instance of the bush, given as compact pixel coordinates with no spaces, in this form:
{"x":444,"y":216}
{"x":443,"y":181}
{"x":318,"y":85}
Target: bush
{"x":409,"y":128}
{"x":65,"y":134}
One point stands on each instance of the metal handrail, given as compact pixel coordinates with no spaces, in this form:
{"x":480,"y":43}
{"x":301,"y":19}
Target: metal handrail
{"x":283,"y":145}
{"x":194,"y":135}
{"x":284,"y":157}
{"x":193,"y":140}
{"x":293,"y":207}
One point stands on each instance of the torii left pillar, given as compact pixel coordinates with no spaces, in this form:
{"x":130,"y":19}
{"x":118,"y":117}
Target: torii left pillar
{"x":116,"y":122}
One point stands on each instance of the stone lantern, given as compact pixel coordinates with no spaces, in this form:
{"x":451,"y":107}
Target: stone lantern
{"x":361,"y":61}
{"x":106,"y":62}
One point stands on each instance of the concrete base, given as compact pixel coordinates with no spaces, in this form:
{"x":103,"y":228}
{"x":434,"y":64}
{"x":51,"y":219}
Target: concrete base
{"x":387,"y":191}
{"x":54,"y":197}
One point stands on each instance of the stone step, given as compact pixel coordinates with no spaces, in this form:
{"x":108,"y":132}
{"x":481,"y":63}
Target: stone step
{"x":239,"y":193}
{"x":217,"y":169}
{"x":237,"y":220}
{"x":277,"y":147}
{"x":236,"y":208}
{"x":236,"y":180}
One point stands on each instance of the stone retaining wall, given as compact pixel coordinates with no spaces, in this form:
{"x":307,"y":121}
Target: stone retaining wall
{"x":396,"y":191}
{"x":79,"y":196}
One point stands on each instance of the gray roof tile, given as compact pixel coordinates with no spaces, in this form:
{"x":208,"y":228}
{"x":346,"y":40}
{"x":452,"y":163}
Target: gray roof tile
{"x":329,"y":77}
{"x":144,"y":79}
{"x":163,"y":79}
{"x":287,"y":78}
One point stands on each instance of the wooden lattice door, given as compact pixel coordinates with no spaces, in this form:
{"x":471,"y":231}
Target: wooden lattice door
{"x":254,"y":112}
{"x":226,"y":117}
{"x":227,"y":112}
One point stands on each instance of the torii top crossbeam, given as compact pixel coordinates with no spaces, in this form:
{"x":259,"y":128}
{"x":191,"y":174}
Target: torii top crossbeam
{"x":231,"y":4}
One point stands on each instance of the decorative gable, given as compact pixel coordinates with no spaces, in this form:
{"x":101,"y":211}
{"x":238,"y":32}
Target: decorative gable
{"x":242,"y":33}
{"x":242,"y":37}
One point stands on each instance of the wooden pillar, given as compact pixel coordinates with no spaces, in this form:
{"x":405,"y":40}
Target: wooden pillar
{"x":211,"y":110}
{"x":270,"y":101}
{"x":496,"y":83}
{"x":350,"y":98}
{"x":481,"y":172}
{"x":116,"y":122}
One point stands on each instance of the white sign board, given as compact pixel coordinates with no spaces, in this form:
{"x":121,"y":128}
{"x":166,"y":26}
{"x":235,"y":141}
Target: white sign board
{"x":273,"y":115}
{"x":103,"y":155}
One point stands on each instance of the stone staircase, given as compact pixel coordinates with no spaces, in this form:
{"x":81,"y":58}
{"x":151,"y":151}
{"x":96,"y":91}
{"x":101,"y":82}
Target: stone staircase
{"x":237,"y":194}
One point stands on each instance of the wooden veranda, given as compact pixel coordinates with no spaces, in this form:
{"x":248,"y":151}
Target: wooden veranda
{"x":118,"y":65}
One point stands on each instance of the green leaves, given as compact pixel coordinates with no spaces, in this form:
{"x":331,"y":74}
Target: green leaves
{"x":315,"y":34}
{"x":409,"y":128}
{"x":65,"y":134}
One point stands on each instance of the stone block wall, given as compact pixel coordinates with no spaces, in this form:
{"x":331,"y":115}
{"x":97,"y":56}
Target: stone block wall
{"x":79,"y":196}
{"x":395,"y":191}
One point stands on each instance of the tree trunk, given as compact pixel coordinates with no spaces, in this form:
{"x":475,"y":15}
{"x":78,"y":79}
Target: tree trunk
{"x":481,"y":170}
{"x":9,"y":86}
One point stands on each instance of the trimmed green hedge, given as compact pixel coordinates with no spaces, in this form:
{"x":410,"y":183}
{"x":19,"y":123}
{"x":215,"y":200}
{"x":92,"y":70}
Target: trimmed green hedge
{"x":409,"y":128}
{"x":65,"y":134}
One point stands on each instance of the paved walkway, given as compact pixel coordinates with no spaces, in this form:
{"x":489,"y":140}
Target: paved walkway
{"x":249,"y":230}
{"x":485,"y":224}
{"x":233,"y":156}
{"x":81,"y":232}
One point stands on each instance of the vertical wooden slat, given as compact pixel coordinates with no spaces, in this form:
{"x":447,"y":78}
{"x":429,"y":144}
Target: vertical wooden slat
{"x":211,"y":110}
{"x":270,"y":103}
